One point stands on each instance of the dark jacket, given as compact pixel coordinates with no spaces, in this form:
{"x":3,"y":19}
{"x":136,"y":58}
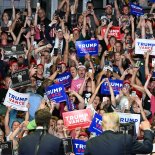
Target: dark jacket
{"x":49,"y":144}
{"x":111,"y":143}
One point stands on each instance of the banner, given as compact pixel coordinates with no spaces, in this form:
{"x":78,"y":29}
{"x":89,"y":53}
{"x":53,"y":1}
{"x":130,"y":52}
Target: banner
{"x":56,"y":93}
{"x":20,"y":78}
{"x":130,"y":118}
{"x":116,"y":85}
{"x":6,"y":148}
{"x":79,"y":146}
{"x":16,"y":100}
{"x":96,"y":124}
{"x":136,"y":10}
{"x":64,"y":78}
{"x":114,"y":31}
{"x":77,"y":118}
{"x":87,"y":47}
{"x":13,"y":50}
{"x":144,"y":45}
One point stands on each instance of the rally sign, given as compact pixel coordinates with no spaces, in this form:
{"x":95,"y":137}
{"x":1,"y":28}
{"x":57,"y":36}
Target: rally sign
{"x":96,"y":125}
{"x":56,"y":93}
{"x":77,"y":118}
{"x":6,"y":148}
{"x":144,"y":45}
{"x":130,"y":118}
{"x":136,"y":9}
{"x":64,"y":78}
{"x":16,"y":100}
{"x":114,"y":31}
{"x":20,"y":78}
{"x":13,"y":50}
{"x":87,"y":47}
{"x":79,"y":146}
{"x":116,"y":85}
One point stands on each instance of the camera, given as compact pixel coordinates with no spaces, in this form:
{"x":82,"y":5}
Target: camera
{"x":55,"y":51}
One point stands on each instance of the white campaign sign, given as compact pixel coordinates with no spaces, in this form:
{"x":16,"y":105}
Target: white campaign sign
{"x":128,"y":117}
{"x":16,"y":100}
{"x":144,"y":45}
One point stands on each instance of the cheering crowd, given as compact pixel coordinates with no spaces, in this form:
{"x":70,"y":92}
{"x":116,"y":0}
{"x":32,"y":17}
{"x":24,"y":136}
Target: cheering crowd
{"x":50,"y":53}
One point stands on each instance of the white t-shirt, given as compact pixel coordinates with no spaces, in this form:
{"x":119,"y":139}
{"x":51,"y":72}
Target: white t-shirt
{"x":47,"y":69}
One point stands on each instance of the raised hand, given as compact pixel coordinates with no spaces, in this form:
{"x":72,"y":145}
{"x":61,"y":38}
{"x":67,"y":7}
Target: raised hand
{"x":110,"y":24}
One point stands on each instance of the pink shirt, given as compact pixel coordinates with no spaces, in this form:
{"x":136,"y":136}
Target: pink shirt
{"x":153,"y":104}
{"x":76,"y":84}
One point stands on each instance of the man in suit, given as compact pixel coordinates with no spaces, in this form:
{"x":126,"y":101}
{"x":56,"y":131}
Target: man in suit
{"x":40,"y":142}
{"x":113,"y":143}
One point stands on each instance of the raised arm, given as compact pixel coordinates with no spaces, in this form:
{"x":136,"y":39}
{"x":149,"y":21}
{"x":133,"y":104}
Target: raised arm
{"x":106,"y":33}
{"x":67,"y":11}
{"x":12,"y":34}
{"x":116,"y":9}
{"x":95,"y":93}
{"x":139,"y":102}
{"x":102,"y":62}
{"x":6,"y":123}
{"x":152,"y":8}
{"x":36,"y":16}
{"x":80,"y":99}
{"x":13,"y":10}
{"x":19,"y":35}
{"x":84,"y":83}
{"x":60,"y":6}
{"x":113,"y":99}
{"x":29,"y":8}
{"x":132,"y":27}
{"x":146,"y":85}
{"x":143,"y":28}
{"x":66,"y":52}
{"x":84,"y":24}
{"x":146,"y":56}
{"x":95,"y":18}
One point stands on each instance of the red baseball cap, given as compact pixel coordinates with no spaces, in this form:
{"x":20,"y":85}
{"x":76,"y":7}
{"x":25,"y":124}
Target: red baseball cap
{"x":126,"y":82}
{"x":40,"y":65}
{"x":76,"y":29}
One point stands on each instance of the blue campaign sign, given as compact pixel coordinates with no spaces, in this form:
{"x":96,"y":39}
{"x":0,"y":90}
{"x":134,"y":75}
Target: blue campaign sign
{"x":79,"y":146}
{"x":136,"y":10}
{"x":64,"y":78}
{"x":56,"y":93}
{"x":87,"y":46}
{"x":116,"y":85}
{"x":96,"y":125}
